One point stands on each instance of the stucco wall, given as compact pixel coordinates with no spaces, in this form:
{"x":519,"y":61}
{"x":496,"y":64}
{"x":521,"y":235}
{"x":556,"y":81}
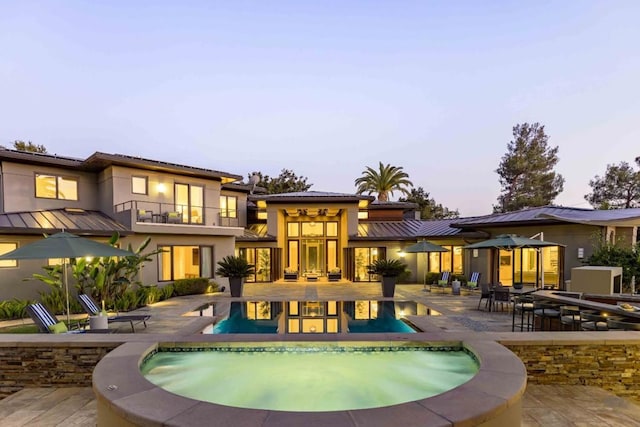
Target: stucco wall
{"x":19,"y":188}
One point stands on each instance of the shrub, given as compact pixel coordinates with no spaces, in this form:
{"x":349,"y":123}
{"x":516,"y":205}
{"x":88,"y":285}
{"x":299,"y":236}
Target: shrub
{"x":56,"y":302}
{"x":13,"y":309}
{"x":432,"y":278}
{"x":195,"y":286}
{"x":167,"y":291}
{"x":129,"y":300}
{"x":461,"y":278}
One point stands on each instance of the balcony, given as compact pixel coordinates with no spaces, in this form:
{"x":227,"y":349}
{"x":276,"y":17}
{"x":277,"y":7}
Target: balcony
{"x":143,"y":216}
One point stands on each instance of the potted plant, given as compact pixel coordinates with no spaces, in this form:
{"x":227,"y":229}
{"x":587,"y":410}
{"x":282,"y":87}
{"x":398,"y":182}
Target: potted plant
{"x":389,"y":270}
{"x":236,"y":269}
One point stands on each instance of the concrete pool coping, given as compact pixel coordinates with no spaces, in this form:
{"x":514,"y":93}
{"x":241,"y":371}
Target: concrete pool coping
{"x":492,"y":397}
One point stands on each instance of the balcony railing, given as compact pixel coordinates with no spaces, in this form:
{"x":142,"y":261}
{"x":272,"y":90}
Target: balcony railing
{"x":174,"y":213}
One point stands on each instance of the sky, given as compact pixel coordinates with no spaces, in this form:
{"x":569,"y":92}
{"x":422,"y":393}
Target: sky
{"x":327,"y":88}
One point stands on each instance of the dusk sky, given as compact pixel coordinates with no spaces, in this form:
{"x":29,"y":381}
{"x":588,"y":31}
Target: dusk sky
{"x":328,"y":88}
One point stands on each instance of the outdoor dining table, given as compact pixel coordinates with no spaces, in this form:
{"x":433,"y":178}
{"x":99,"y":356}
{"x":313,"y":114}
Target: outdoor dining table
{"x":557,"y":297}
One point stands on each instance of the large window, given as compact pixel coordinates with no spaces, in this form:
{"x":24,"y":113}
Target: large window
{"x":56,"y":187}
{"x":228,"y":206}
{"x":446,"y":261}
{"x":139,"y":185}
{"x":184,"y":262}
{"x":5,"y":248}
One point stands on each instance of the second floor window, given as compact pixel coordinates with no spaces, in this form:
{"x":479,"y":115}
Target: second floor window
{"x":139,"y":184}
{"x":228,"y":206}
{"x":56,"y":187}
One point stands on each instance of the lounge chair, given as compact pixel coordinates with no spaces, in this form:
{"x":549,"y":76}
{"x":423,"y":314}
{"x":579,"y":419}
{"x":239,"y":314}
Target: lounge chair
{"x":473,"y":281}
{"x":47,"y":322}
{"x":443,"y":282}
{"x":90,"y":306}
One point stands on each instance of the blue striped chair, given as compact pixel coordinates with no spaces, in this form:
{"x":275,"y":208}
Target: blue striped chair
{"x":474,"y":281}
{"x":443,"y":282}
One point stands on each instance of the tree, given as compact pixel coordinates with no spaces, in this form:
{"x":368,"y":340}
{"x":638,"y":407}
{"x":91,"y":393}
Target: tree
{"x":384,"y":181}
{"x":429,"y":209}
{"x":526,"y":170}
{"x":29,"y":147}
{"x":286,"y":182}
{"x":619,"y":188}
{"x":617,"y":254}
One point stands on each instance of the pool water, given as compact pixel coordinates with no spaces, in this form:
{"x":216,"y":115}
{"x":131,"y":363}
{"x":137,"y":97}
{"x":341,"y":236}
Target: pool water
{"x":308,"y":317}
{"x":311,"y":378}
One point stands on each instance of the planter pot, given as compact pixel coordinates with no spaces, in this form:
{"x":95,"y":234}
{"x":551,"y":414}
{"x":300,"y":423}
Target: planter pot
{"x":235,"y":286}
{"x":455,"y":287}
{"x":98,"y":322}
{"x":389,"y":286}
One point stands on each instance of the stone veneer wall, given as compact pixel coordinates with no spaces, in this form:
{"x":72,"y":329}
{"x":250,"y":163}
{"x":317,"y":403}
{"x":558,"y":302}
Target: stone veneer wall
{"x":613,"y":367}
{"x":49,"y":365}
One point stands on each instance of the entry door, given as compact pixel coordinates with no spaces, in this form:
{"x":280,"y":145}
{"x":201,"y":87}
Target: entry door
{"x":313,"y":256}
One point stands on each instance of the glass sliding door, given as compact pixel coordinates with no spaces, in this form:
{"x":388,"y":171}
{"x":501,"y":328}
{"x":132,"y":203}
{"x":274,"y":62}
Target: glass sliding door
{"x":365,"y":257}
{"x":189,"y":202}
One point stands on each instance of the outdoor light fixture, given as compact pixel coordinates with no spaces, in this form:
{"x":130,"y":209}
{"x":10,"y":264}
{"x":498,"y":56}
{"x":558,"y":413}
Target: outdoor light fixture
{"x":580,"y":253}
{"x":161,"y":188}
{"x":401,"y":253}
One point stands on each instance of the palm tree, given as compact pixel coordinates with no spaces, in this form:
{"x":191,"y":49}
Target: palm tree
{"x":383,"y":181}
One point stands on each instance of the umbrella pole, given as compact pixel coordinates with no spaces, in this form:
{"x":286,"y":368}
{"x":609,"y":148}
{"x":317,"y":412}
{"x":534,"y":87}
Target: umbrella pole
{"x":66,"y":289}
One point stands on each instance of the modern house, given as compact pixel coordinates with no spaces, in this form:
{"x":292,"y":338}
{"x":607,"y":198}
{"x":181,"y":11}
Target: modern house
{"x":197,"y":216}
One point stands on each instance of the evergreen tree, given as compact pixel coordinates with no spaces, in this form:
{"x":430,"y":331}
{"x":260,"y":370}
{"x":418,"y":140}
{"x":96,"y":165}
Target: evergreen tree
{"x":526,"y":170}
{"x":28,"y":147}
{"x":286,"y":182}
{"x":429,"y":209}
{"x":383,"y":181}
{"x":619,"y":188}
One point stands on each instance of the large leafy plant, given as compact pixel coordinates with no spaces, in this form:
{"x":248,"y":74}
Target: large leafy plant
{"x":234,"y":267}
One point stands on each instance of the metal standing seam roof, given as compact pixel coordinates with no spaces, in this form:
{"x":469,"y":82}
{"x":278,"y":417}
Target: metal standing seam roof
{"x":81,"y":222}
{"x":252,"y":236}
{"x":407,"y":229}
{"x":629,"y":216}
{"x":315,"y":196}
{"x":543,"y":214}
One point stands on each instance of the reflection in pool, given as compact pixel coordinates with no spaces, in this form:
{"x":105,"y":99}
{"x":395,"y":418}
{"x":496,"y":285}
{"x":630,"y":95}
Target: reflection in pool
{"x":309,"y":317}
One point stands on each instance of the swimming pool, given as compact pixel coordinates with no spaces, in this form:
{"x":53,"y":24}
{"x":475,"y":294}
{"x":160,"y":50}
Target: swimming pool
{"x":311,"y":377}
{"x":314,"y":317}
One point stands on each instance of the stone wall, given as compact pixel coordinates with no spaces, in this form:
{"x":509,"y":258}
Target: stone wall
{"x":52,"y":365}
{"x":613,"y":367}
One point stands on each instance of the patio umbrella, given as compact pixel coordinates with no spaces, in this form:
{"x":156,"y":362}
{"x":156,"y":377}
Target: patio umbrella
{"x":64,"y":245}
{"x":510,"y":242}
{"x":425,"y":247}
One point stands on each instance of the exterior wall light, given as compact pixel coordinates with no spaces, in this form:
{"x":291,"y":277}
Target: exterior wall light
{"x":161,"y":188}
